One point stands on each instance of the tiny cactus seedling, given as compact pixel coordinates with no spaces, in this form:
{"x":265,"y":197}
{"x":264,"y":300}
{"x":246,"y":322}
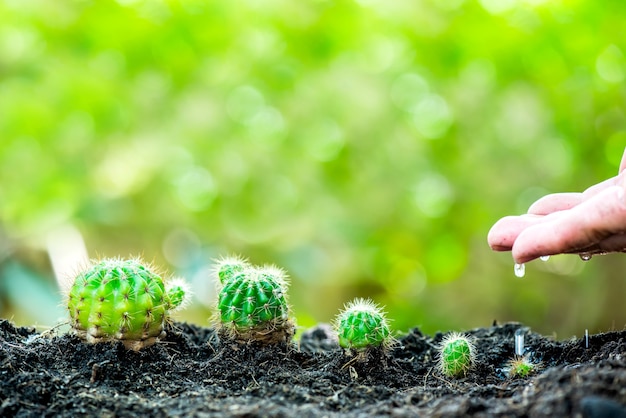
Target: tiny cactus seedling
{"x":521,"y":366}
{"x":252,"y":302}
{"x":122,"y":300}
{"x":456,"y":355}
{"x":362,"y":325}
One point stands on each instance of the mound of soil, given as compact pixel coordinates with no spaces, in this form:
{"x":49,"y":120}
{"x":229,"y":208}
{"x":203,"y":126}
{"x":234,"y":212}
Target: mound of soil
{"x":194,"y":373}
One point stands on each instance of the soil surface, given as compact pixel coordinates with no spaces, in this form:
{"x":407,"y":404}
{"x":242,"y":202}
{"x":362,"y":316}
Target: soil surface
{"x":192,"y":372}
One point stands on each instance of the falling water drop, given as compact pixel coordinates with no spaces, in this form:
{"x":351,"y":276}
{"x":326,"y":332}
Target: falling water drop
{"x":585,"y":256}
{"x":544,"y":257}
{"x":586,"y":338}
{"x":519,"y":342}
{"x":520,"y":270}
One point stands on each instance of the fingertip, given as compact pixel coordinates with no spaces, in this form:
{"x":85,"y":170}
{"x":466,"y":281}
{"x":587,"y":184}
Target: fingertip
{"x":505,"y":231}
{"x":524,"y":258}
{"x":528,"y":248}
{"x":498,"y":236}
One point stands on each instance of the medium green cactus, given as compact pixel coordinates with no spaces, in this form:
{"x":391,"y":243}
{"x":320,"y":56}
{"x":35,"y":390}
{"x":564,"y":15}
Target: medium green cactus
{"x":362,"y":325}
{"x":456,"y":355}
{"x":252,"y":302}
{"x":122,"y":300}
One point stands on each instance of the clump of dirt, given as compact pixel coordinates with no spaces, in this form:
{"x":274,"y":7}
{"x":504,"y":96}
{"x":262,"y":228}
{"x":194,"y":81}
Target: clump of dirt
{"x":194,"y":373}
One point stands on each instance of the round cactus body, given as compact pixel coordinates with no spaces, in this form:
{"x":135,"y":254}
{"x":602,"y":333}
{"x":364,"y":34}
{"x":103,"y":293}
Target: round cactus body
{"x":456,"y":355}
{"x":362,"y":325}
{"x":121,"y":300}
{"x":252,"y":303}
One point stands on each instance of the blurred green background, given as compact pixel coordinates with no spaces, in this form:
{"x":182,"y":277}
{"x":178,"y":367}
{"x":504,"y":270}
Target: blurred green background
{"x":365,"y":146}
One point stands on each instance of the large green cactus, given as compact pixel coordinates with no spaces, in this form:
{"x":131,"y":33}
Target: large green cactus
{"x":362,"y":325}
{"x":252,"y":302}
{"x":122,"y":300}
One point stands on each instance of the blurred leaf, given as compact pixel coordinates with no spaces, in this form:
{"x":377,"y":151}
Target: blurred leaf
{"x":367,"y":146}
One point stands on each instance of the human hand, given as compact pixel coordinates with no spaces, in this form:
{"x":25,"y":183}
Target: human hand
{"x":591,"y":222}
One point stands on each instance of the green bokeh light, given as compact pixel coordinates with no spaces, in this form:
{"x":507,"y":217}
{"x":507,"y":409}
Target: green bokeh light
{"x":365,"y":146}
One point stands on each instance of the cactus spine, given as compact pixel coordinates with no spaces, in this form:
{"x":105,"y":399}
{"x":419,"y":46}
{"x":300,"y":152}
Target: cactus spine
{"x":362,"y":325}
{"x":252,"y":302}
{"x":456,"y":355}
{"x":122,"y":300}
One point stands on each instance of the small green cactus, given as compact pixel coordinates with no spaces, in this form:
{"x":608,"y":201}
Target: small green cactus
{"x":521,"y":366}
{"x":362,"y":325}
{"x":230,"y":266}
{"x":122,"y":300}
{"x":252,"y":302}
{"x":456,"y":355}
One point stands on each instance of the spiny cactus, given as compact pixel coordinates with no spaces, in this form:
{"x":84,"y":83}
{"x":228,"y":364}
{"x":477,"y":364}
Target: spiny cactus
{"x":252,"y":302}
{"x":362,"y":325}
{"x":456,"y":355}
{"x":122,"y":300}
{"x":521,"y":366}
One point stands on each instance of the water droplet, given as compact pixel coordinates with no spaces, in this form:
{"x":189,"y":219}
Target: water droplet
{"x":519,"y":342}
{"x":520,"y":270}
{"x":585,"y":256}
{"x":544,"y":257}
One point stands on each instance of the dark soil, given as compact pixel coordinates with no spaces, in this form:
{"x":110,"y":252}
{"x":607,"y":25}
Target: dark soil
{"x":194,"y":373}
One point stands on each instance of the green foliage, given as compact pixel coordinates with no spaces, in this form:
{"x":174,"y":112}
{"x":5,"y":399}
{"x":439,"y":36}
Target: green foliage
{"x":456,"y":355}
{"x":118,"y":299}
{"x":362,"y":325}
{"x":365,"y":145}
{"x":252,"y":302}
